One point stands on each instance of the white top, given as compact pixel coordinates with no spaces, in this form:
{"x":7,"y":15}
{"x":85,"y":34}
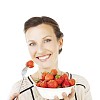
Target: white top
{"x":29,"y":92}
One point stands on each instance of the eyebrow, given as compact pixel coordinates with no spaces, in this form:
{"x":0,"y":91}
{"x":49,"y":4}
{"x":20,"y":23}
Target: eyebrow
{"x":42,"y":38}
{"x":30,"y":41}
{"x":46,"y":37}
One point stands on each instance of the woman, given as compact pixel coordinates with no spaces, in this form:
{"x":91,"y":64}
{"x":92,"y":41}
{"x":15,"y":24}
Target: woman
{"x":45,"y":41}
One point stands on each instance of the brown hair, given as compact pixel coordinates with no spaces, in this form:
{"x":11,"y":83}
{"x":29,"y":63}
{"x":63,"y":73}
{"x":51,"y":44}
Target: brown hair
{"x":34,"y":21}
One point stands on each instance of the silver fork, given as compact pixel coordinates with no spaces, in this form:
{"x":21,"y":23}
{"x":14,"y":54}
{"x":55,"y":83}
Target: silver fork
{"x":23,"y":73}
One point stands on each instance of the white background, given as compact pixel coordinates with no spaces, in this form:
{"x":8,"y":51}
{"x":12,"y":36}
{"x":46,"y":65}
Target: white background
{"x":78,"y":20}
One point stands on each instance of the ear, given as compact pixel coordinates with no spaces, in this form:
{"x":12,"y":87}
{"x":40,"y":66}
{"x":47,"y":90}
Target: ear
{"x":60,"y":42}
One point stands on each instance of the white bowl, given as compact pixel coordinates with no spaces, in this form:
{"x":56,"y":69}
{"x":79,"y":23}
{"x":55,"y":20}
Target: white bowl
{"x":49,"y":93}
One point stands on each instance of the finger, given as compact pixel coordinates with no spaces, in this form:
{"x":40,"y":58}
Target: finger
{"x":56,"y":98}
{"x":15,"y":95}
{"x":65,"y":96}
{"x":71,"y":95}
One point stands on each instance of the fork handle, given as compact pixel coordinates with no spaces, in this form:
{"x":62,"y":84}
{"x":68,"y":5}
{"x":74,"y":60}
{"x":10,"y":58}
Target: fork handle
{"x":21,"y":84}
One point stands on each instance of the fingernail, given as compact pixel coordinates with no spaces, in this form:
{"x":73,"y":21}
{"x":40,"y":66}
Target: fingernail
{"x":55,"y":97}
{"x":64,"y":94}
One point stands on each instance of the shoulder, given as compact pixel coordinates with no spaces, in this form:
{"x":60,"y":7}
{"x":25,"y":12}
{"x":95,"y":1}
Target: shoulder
{"x":21,"y":85}
{"x":81,"y":82}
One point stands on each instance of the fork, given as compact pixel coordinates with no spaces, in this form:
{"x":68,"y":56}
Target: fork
{"x":23,"y":73}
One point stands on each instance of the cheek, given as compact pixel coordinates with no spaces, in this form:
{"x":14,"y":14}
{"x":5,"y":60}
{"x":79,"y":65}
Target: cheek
{"x":32,"y":51}
{"x":53,"y":47}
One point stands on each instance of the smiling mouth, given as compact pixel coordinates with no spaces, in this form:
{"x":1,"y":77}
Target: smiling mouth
{"x":44,"y":58}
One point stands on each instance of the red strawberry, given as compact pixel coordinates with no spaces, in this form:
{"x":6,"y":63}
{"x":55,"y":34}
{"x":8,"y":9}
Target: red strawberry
{"x":52,"y":84}
{"x":43,"y":75}
{"x":49,"y":77}
{"x":59,"y":79}
{"x":43,"y":84}
{"x":72,"y":82}
{"x":65,"y":83}
{"x":30,"y":64}
{"x":65,"y":76}
{"x":54,"y":72}
{"x":38,"y":83}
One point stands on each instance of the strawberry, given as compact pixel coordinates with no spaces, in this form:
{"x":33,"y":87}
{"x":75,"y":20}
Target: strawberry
{"x":65,"y":83}
{"x":43,"y":84}
{"x":72,"y":82}
{"x":65,"y":76}
{"x":59,"y":79}
{"x":30,"y":64}
{"x":54,"y":72}
{"x":49,"y":77}
{"x":38,"y":83}
{"x":52,"y":84}
{"x":43,"y":75}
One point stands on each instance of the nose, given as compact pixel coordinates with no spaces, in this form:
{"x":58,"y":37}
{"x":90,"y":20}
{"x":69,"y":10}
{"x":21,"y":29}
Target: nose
{"x":40,"y":49}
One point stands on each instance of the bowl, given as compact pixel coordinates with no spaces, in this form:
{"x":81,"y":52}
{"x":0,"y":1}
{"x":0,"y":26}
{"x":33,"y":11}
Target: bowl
{"x":49,"y":93}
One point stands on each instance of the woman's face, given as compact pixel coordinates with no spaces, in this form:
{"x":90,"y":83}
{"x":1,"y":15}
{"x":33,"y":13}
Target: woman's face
{"x":43,"y":45}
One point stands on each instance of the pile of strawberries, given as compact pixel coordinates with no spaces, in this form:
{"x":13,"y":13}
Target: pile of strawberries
{"x":53,"y":80}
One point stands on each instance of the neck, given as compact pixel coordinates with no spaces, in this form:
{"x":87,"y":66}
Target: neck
{"x":47,"y":69}
{"x":54,"y":65}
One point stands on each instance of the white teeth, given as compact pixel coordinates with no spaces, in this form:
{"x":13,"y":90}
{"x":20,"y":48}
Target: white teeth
{"x":44,"y":57}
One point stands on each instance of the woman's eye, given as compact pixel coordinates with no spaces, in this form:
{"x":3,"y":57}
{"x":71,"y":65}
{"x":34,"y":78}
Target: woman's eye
{"x":32,"y":44}
{"x":47,"y":40}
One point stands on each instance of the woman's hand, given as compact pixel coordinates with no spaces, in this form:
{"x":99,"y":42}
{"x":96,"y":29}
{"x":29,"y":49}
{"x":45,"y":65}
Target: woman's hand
{"x":14,"y":96}
{"x":65,"y":96}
